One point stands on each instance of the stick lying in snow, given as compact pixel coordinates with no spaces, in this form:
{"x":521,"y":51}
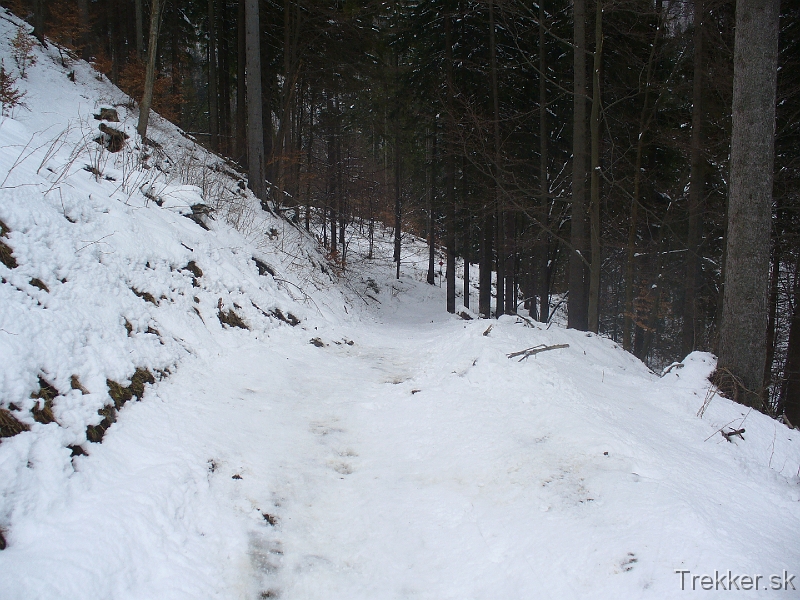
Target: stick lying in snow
{"x":535,"y":350}
{"x":729,"y":434}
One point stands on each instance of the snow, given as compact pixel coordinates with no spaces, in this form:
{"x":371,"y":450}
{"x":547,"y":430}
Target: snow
{"x":405,"y":457}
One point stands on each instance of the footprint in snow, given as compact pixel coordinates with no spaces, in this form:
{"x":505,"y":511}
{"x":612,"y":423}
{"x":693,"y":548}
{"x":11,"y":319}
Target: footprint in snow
{"x":628,"y":562}
{"x":341,"y":467}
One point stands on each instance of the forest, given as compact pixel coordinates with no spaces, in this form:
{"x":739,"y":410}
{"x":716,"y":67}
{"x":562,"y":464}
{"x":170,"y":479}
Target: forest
{"x":573,"y":154}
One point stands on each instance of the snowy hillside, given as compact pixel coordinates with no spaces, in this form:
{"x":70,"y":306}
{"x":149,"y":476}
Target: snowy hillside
{"x":195,"y":404}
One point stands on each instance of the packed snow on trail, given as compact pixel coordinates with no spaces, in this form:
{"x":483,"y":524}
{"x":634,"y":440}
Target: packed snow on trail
{"x":195,"y":403}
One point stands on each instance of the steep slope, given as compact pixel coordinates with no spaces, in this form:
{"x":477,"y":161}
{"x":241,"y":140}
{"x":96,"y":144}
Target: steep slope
{"x":355,"y":441}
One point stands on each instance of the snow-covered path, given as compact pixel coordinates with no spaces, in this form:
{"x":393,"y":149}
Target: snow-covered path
{"x":416,"y":462}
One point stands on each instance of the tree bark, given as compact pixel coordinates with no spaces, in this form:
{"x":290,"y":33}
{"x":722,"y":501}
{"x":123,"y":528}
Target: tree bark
{"x":485,"y":273}
{"x":789,"y":403}
{"x":255,"y":127}
{"x":577,"y":314}
{"x":696,"y":190}
{"x":544,"y":189}
{"x":774,"y":290}
{"x":502,"y":250}
{"x":644,"y":124}
{"x":213,"y":96}
{"x":83,"y":21}
{"x":594,"y":268}
{"x":223,"y":73}
{"x":742,"y":343}
{"x":139,"y":18}
{"x":39,"y":13}
{"x":449,"y":176}
{"x":431,"y":278}
{"x":150,"y":73}
{"x":241,"y":102}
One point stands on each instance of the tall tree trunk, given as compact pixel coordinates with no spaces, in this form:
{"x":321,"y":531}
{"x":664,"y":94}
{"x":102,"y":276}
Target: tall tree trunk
{"x":431,"y":143}
{"x":774,"y":290}
{"x":644,"y":124}
{"x":465,"y":250}
{"x":85,"y":26}
{"x":485,"y":272}
{"x":789,"y":403}
{"x":39,"y":17}
{"x":223,"y":53}
{"x":176,"y":74}
{"x":241,"y":103}
{"x":139,"y":18}
{"x":742,"y":348}
{"x":150,"y":73}
{"x":594,"y":213}
{"x":213,"y":96}
{"x":255,"y":127}
{"x":450,"y":172}
{"x":544,"y":189}
{"x":398,"y":199}
{"x":310,"y":160}
{"x":577,"y":313}
{"x":502,"y":250}
{"x":332,"y":179}
{"x":696,"y":189}
{"x":267,"y":80}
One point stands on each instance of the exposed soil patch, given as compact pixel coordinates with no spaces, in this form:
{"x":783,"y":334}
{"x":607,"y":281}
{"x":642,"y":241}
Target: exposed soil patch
{"x":9,"y":425}
{"x":36,"y":282}
{"x":146,"y":296}
{"x":120,"y":395}
{"x":43,"y":410}
{"x":231,"y":319}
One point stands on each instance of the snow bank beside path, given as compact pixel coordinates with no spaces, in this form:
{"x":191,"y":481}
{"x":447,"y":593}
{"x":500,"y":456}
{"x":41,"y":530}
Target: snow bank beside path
{"x":117,"y":269}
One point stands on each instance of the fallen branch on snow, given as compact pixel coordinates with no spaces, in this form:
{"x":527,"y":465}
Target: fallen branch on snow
{"x":729,"y":434}
{"x":536,"y":350}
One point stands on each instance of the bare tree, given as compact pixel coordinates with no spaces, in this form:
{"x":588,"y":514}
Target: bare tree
{"x":255,"y":137}
{"x":150,"y":74}
{"x":742,"y":343}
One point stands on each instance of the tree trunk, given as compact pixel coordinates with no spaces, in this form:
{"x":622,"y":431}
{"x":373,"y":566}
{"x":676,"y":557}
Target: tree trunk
{"x":213,"y":96}
{"x":485,"y":273}
{"x":267,"y":80}
{"x":39,"y":14}
{"x":241,"y":106}
{"x":544,"y":189}
{"x":594,"y":268}
{"x":255,"y":127}
{"x":465,"y":250}
{"x":449,"y":176}
{"x":696,"y":190}
{"x":85,"y":26}
{"x":502,"y":250}
{"x":742,"y":347}
{"x":774,"y":290}
{"x":139,"y":18}
{"x":789,"y":403}
{"x":644,"y":124}
{"x":577,"y":314}
{"x":431,"y":278}
{"x":150,"y":74}
{"x":223,"y":72}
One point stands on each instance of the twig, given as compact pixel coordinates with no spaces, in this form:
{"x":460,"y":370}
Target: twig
{"x":675,"y":365}
{"x":718,"y":430}
{"x":729,"y":434}
{"x":302,"y":291}
{"x":94,"y":242}
{"x":536,"y":350}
